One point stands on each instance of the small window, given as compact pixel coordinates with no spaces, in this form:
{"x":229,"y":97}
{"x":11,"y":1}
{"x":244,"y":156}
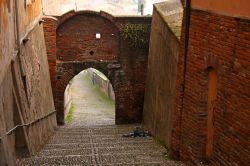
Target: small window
{"x":98,"y":36}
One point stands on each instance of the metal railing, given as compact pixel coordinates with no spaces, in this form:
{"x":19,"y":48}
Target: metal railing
{"x":27,"y":124}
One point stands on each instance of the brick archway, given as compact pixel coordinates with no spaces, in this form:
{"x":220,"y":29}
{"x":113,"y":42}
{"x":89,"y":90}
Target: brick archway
{"x":73,"y":45}
{"x":66,"y":71}
{"x":79,"y":47}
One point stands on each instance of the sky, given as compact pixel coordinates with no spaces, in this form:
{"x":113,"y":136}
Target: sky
{"x":114,"y":7}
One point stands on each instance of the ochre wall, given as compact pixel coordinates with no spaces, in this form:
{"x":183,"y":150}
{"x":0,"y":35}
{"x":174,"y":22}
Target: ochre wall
{"x":25,"y":90}
{"x":159,"y":97}
{"x":7,"y":36}
{"x":240,"y":8}
{"x":220,"y":42}
{"x":28,"y":14}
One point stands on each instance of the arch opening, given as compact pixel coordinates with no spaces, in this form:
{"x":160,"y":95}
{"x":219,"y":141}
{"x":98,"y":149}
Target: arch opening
{"x":89,"y":99}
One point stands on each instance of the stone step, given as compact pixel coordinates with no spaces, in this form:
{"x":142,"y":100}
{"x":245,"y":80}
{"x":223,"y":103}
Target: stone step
{"x":98,"y":140}
{"x":58,"y":160}
{"x":98,"y":137}
{"x":139,"y":145}
{"x":67,"y":146}
{"x":65,"y":152}
{"x":95,"y":129}
{"x":106,"y":159}
{"x":61,"y":151}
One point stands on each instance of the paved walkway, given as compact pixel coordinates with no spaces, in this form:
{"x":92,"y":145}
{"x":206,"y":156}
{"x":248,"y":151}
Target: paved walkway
{"x":90,"y":108}
{"x":92,"y":139}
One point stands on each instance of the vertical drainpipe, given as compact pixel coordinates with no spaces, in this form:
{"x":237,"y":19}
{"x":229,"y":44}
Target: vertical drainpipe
{"x":17,"y":26}
{"x":187,"y":27}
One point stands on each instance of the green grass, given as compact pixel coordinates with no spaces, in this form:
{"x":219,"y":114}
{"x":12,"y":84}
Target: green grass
{"x":69,"y":117}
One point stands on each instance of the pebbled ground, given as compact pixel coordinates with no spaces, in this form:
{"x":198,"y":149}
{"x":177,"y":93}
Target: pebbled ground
{"x":92,"y":139}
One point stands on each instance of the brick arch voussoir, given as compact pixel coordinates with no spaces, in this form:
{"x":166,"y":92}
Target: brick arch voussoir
{"x":70,"y":14}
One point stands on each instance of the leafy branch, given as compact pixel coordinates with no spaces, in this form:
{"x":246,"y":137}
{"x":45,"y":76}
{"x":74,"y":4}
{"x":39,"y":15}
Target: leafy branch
{"x":137,"y":35}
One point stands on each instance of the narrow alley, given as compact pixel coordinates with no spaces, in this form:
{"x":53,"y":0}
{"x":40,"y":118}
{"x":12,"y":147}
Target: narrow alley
{"x":91,"y":106}
{"x":124,"y":82}
{"x":92,"y":138}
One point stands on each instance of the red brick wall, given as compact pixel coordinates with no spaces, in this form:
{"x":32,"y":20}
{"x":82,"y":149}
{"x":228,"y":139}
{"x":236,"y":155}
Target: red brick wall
{"x":50,"y":27}
{"x":75,"y":39}
{"x":223,"y":43}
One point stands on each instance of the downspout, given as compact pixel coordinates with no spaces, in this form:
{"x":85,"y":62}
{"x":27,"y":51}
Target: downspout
{"x":17,"y":26}
{"x":187,"y":27}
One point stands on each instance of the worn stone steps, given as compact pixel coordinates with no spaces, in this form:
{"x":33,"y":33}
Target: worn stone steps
{"x":88,"y":159}
{"x":100,"y":150}
{"x":92,"y":141}
{"x":139,"y":145}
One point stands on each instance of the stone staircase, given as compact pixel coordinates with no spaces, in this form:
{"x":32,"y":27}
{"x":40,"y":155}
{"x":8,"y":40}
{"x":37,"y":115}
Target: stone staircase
{"x":93,"y":139}
{"x":99,"y":145}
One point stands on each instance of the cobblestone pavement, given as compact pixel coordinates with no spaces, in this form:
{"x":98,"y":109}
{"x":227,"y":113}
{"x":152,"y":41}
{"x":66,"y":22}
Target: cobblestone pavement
{"x":98,"y":144}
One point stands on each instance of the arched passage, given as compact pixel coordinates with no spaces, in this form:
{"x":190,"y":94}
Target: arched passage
{"x":67,"y":71}
{"x":82,"y":39}
{"x":89,"y":99}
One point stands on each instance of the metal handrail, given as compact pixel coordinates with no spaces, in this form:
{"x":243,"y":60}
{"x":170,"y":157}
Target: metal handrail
{"x":27,"y":124}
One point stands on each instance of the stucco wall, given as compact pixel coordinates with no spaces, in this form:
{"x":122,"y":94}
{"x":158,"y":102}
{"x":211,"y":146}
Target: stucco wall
{"x":25,"y":90}
{"x":7,"y":36}
{"x":235,"y":8}
{"x":159,"y":103}
{"x":102,"y":82}
{"x":67,"y":99}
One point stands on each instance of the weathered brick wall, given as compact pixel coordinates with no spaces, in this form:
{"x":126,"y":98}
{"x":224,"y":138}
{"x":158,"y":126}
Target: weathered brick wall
{"x":76,"y":39}
{"x":220,"y":42}
{"x":133,"y":74}
{"x":124,"y":66}
{"x":50,"y":27}
{"x":159,"y":103}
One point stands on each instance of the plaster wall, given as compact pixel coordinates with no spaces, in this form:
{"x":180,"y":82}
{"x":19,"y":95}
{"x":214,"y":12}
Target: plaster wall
{"x":25,"y":90}
{"x":159,"y":100}
{"x":235,"y":8}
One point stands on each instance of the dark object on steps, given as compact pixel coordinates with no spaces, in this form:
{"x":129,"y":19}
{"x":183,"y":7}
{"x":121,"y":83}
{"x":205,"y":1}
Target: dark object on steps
{"x":138,"y":132}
